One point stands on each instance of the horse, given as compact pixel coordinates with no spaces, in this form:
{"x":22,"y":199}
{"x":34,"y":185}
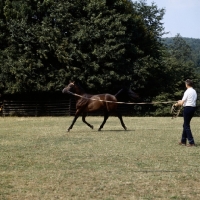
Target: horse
{"x":88,"y":103}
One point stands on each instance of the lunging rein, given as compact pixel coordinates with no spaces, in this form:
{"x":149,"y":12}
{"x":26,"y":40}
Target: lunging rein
{"x":175,"y":110}
{"x":118,"y":102}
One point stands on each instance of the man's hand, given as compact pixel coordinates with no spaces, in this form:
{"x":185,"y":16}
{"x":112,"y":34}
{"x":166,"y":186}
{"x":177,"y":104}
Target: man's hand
{"x":179,"y":103}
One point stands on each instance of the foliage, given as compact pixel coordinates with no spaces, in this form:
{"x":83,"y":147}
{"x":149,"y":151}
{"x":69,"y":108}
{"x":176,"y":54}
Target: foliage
{"x":194,"y":45}
{"x":101,"y":43}
{"x":32,"y":58}
{"x":181,"y":66}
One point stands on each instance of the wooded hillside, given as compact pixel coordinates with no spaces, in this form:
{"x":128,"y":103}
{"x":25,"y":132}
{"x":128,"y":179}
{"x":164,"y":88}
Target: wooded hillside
{"x":194,"y":45}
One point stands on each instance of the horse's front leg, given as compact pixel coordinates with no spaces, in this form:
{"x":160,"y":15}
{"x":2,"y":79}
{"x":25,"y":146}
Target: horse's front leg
{"x":83,"y":119}
{"x":74,"y":120}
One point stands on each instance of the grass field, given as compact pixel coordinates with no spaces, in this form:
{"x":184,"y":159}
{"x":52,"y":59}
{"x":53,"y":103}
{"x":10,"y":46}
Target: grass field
{"x":40,"y":160}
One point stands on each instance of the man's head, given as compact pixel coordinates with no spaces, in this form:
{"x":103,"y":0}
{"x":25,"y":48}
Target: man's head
{"x":188,"y":83}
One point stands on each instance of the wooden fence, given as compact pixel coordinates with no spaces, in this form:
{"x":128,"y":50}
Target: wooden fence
{"x":38,"y":108}
{"x":44,"y":105}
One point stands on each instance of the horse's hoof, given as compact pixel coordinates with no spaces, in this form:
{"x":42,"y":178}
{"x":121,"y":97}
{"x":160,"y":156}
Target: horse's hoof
{"x":99,"y":129}
{"x":125,"y":128}
{"x":92,"y":127}
{"x":68,"y":130}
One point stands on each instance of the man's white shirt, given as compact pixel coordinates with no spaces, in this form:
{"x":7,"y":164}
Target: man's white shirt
{"x":189,"y":97}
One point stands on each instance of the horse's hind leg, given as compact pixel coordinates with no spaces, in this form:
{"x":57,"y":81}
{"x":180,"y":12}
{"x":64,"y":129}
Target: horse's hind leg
{"x":83,"y":119}
{"x":121,"y":120}
{"x":106,"y":115}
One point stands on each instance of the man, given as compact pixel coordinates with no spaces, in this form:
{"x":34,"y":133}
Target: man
{"x":189,"y":103}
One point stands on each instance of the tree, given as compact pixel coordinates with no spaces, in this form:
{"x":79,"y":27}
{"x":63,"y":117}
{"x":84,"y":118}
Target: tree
{"x":114,"y":45}
{"x":35,"y":54}
{"x":3,"y":41}
{"x":105,"y":44}
{"x":194,"y":44}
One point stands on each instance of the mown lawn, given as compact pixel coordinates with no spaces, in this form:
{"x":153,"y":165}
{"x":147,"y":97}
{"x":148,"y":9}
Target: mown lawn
{"x":40,"y":160}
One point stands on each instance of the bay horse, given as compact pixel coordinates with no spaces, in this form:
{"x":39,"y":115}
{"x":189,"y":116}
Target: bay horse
{"x":88,"y":103}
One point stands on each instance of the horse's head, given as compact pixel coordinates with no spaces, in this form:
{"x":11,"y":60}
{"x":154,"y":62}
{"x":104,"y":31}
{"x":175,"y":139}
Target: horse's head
{"x":69,"y":88}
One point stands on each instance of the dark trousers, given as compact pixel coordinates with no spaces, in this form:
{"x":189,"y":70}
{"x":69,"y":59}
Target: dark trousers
{"x":188,"y":113}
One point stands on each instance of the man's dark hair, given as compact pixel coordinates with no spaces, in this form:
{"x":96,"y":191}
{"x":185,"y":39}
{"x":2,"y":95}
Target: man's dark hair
{"x":189,"y":82}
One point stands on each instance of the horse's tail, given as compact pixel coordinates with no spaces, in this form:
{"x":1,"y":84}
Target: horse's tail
{"x":118,"y":93}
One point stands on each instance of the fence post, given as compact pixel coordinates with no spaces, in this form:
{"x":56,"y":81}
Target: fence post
{"x":1,"y":108}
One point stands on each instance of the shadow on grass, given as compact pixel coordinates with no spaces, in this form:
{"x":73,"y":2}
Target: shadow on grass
{"x":157,"y":171}
{"x":114,"y":131}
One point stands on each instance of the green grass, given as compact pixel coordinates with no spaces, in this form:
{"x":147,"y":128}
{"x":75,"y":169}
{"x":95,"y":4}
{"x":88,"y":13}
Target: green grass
{"x":40,"y":160}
